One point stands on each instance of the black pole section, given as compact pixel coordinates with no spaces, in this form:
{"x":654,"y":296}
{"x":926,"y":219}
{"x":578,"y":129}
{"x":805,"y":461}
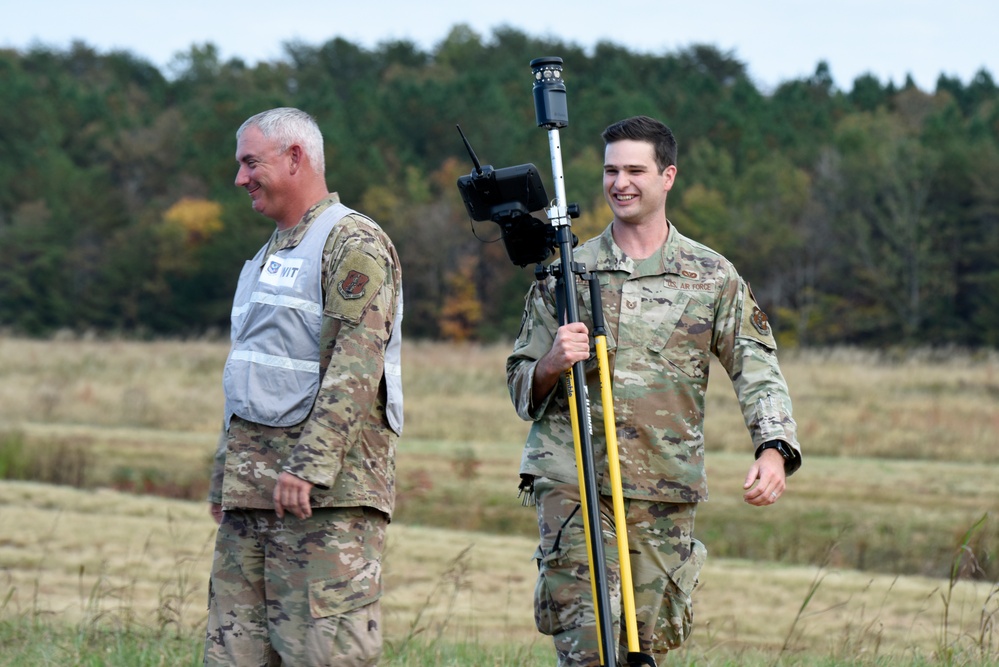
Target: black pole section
{"x":552,"y":113}
{"x":596,"y":305}
{"x":590,"y":490}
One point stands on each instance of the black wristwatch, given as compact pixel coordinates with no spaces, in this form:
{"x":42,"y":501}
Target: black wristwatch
{"x":792,"y":460}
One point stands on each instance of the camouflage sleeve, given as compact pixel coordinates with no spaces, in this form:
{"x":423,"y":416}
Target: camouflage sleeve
{"x":537,"y":333}
{"x":362,"y":285}
{"x":745,"y":345}
{"x":218,"y":470}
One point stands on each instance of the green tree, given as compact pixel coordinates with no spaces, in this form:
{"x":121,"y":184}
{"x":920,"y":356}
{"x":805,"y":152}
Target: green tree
{"x":887,"y":176}
{"x":864,"y":216}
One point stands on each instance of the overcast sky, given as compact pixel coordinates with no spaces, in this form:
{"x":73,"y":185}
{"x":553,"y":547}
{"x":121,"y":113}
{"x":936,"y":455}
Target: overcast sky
{"x":777,"y":39}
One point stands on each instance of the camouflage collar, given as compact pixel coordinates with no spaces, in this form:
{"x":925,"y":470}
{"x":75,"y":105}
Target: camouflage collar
{"x":671,"y":251}
{"x":292,"y":237}
{"x":610,"y":257}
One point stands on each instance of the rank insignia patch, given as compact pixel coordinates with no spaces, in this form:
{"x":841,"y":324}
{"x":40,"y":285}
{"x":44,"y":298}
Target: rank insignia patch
{"x":352,"y":286}
{"x":760,"y":322}
{"x":754,"y":322}
{"x":357,"y":281}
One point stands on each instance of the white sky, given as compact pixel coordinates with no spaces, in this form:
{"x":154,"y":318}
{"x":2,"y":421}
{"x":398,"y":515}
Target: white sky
{"x":777,"y":39}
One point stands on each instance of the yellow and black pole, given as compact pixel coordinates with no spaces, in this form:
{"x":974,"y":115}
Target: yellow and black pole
{"x":635,"y":655}
{"x":552,"y":113}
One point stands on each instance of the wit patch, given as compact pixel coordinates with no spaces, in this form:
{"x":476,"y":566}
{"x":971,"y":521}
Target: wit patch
{"x":281,"y":271}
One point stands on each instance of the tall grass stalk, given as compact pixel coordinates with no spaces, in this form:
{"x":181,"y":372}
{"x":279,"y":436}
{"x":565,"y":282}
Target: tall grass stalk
{"x":809,"y":594}
{"x":965,"y":562}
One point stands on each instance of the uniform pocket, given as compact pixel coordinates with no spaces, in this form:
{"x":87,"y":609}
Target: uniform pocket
{"x":356,"y":589}
{"x":678,"y":612}
{"x":683,"y":337}
{"x":545,"y":611}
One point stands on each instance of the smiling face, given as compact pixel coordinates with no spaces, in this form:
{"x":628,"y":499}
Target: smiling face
{"x":264,"y":171}
{"x":633,"y":186}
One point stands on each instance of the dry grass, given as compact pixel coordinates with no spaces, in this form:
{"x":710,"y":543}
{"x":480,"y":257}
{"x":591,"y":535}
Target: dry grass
{"x":854,"y":403}
{"x":847,"y":402}
{"x":457,"y":392}
{"x":141,"y":562}
{"x":461,"y":447}
{"x":128,"y":559}
{"x":166,"y":385}
{"x":887,"y":516}
{"x":900,"y":461}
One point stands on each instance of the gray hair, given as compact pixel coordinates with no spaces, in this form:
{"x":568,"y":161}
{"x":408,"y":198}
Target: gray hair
{"x":290,"y":126}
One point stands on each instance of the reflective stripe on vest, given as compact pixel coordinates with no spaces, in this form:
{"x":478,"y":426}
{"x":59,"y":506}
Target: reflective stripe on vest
{"x":272,"y":374}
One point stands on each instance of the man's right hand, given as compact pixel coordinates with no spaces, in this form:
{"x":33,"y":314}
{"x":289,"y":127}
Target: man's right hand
{"x":291,"y":494}
{"x":571,"y":345}
{"x":216,"y":510}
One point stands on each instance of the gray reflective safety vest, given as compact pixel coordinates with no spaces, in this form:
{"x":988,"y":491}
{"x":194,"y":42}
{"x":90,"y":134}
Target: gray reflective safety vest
{"x":393,"y":372}
{"x":271,"y":376}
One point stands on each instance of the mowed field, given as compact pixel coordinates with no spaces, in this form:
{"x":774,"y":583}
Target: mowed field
{"x":884,"y":544}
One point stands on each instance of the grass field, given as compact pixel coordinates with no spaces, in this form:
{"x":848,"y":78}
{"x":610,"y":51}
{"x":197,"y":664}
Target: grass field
{"x":871,"y":555}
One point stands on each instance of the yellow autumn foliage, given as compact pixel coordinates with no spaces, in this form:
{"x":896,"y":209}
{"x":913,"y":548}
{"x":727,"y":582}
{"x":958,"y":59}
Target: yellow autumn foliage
{"x":196,"y":220}
{"x":462,"y":309}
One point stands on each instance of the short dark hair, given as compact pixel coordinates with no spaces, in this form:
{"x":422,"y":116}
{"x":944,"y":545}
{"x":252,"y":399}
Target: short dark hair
{"x":643,"y":128}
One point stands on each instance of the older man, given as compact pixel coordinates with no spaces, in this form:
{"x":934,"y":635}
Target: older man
{"x":304,"y":479}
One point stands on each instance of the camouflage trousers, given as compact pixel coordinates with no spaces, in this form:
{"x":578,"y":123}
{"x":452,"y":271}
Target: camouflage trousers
{"x":665,"y":563}
{"x":298,"y":593}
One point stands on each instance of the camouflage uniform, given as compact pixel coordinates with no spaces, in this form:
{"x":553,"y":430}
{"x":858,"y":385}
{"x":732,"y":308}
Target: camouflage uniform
{"x":306,"y":591}
{"x":664,"y":316}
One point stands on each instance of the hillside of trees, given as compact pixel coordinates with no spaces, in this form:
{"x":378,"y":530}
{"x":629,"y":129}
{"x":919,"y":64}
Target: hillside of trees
{"x":864,"y":215}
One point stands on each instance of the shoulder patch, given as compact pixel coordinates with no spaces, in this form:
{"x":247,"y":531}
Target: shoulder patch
{"x":357,"y":280}
{"x":754,"y":323}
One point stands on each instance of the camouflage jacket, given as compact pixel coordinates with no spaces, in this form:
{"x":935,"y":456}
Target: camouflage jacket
{"x":664,"y":317}
{"x":345,"y":446}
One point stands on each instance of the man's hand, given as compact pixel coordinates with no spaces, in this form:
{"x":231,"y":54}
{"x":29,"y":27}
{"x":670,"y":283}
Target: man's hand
{"x":571,"y":344}
{"x":292,"y":494}
{"x":768,"y":471}
{"x":216,"y":511}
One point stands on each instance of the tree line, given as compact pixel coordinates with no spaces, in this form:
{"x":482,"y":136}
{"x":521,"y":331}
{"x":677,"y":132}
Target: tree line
{"x":865,"y":216}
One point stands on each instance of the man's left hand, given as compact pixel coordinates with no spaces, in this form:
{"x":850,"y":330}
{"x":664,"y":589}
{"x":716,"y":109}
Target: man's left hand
{"x":766,"y":480}
{"x":292,"y":494}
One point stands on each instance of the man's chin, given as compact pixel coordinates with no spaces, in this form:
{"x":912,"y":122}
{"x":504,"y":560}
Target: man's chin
{"x":621,"y":212}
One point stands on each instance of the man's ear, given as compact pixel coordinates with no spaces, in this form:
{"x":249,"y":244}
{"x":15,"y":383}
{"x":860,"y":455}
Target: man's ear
{"x":670,"y":177}
{"x":296,"y":156}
